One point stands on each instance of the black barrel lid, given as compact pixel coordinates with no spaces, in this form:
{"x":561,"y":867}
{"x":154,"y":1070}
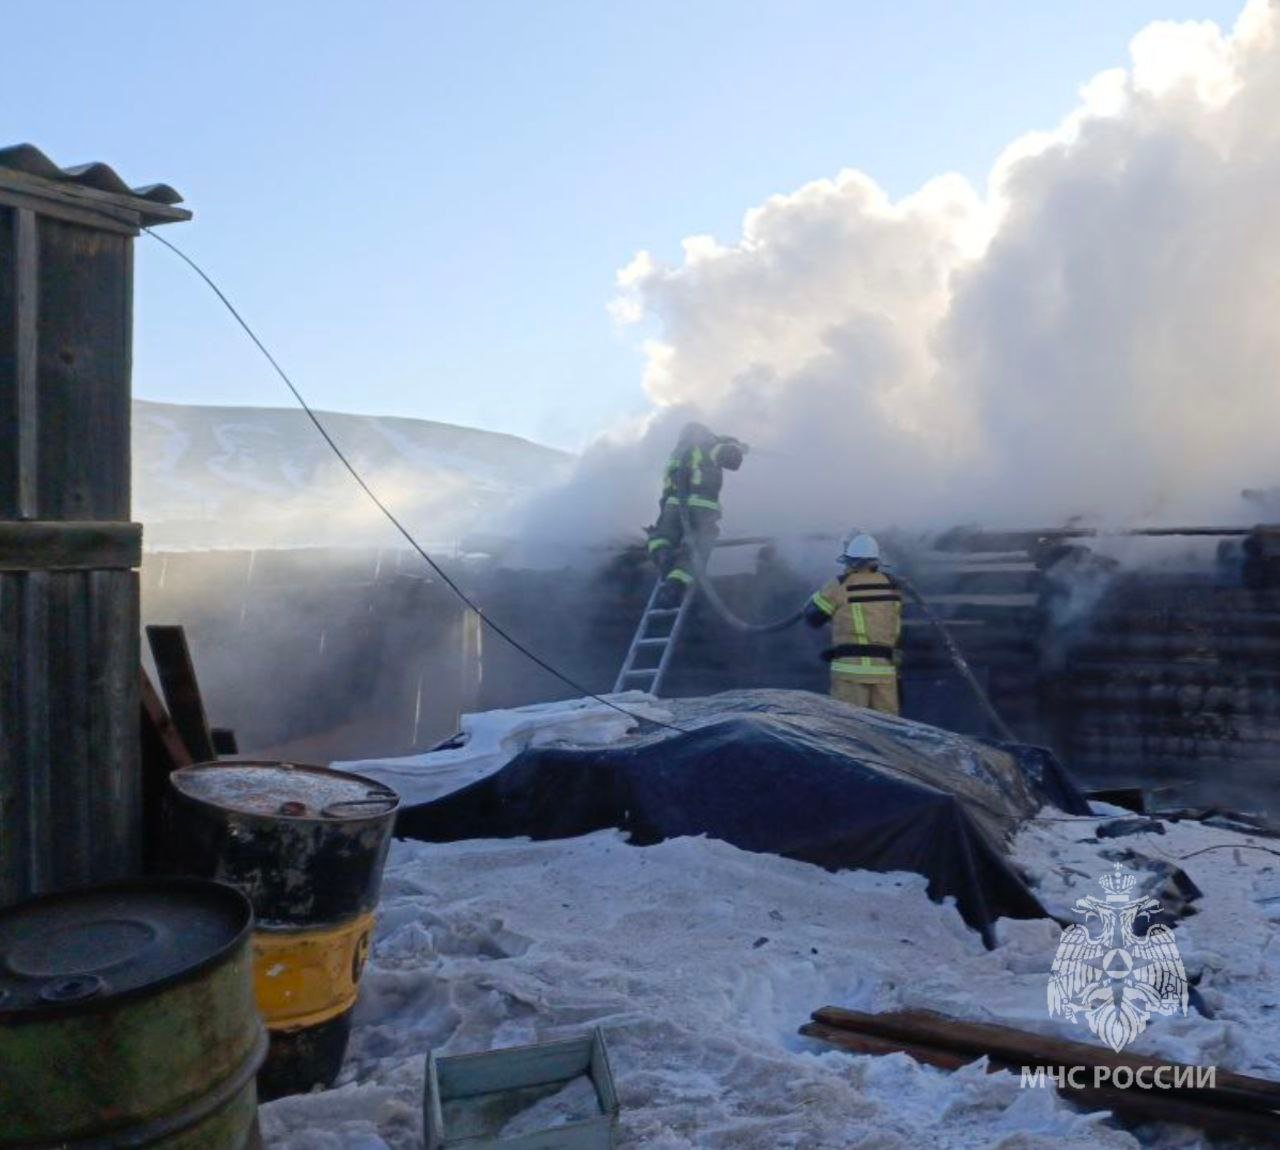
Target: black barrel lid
{"x":83,"y":947}
{"x":285,"y":790}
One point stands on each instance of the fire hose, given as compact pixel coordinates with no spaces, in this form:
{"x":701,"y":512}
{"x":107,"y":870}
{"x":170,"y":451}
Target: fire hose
{"x":948,"y":640}
{"x":712,"y":596}
{"x":957,"y":657}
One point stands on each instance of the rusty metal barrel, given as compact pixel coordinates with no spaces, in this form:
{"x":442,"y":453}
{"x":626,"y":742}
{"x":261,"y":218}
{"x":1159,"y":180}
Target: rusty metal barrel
{"x":127,"y":1018}
{"x":307,"y":846}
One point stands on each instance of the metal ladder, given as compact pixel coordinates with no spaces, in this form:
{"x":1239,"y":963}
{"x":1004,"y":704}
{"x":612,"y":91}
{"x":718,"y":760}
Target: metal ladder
{"x":654,"y":643}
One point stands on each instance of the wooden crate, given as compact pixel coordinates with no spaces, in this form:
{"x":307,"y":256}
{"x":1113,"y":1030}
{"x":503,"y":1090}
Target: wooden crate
{"x":488,"y":1080}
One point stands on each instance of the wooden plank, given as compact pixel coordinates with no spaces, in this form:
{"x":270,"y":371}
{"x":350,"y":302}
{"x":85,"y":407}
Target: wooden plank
{"x":856,"y":1042}
{"x":181,"y":689}
{"x":1262,"y":1128}
{"x":118,"y":206}
{"x":1019,"y":1047}
{"x":83,"y":355}
{"x":69,"y":212}
{"x":432,"y":1105}
{"x":100,"y":205}
{"x":25,"y":328}
{"x":34,"y":684}
{"x":115,"y":771}
{"x":156,"y":719}
{"x":13,"y":766}
{"x":69,"y":800}
{"x":69,"y":772}
{"x":162,"y":753}
{"x":602,"y":1073}
{"x":52,"y":545}
{"x":1132,"y":1105}
{"x":8,"y":366}
{"x":122,"y":410}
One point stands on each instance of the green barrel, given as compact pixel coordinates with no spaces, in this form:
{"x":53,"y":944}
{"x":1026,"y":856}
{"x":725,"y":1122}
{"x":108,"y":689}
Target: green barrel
{"x":127,"y":1019}
{"x":307,"y":845}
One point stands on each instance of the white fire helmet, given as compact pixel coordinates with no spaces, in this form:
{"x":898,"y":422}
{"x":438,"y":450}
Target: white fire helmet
{"x":860,"y":548}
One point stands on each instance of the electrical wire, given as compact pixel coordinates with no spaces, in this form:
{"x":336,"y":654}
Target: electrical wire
{"x":496,"y":628}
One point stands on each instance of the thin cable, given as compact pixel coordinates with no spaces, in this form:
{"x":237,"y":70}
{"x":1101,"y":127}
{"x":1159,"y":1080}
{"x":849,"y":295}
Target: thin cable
{"x":498,"y":630}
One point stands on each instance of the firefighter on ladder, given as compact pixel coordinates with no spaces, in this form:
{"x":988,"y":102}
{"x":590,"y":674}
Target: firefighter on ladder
{"x":691,"y":485}
{"x":864,"y":607}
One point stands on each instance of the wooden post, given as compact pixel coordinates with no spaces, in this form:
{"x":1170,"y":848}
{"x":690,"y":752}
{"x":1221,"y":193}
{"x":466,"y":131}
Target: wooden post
{"x":25,"y":276}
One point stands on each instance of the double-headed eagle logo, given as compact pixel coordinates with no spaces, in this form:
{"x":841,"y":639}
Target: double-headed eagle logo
{"x":1107,"y":971}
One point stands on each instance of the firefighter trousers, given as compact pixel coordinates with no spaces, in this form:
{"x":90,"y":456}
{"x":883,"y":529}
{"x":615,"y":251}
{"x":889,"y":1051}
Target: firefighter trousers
{"x":671,"y":551}
{"x":878,"y":694}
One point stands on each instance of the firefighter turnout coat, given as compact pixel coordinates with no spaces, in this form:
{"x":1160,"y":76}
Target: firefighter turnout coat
{"x":691,"y":484}
{"x":864,"y":608}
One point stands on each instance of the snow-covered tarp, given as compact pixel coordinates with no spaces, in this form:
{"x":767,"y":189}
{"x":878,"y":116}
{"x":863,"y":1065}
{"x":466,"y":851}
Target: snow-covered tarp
{"x":491,"y":739}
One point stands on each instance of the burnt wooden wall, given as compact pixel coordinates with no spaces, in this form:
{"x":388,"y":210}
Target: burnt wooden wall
{"x":319,"y":653}
{"x":69,"y":620}
{"x":1160,"y":678}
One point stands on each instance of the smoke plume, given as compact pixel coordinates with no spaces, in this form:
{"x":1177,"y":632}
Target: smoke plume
{"x":1094,"y":336}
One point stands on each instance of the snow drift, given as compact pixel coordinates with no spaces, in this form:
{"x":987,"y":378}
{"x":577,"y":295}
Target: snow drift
{"x":700,"y":961}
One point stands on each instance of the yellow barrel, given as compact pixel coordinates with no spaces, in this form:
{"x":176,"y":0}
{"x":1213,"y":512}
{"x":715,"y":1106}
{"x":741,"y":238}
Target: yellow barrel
{"x":307,"y":845}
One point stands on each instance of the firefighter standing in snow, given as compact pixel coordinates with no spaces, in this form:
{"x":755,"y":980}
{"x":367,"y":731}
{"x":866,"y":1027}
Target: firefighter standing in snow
{"x":690,"y":491}
{"x":864,"y":608}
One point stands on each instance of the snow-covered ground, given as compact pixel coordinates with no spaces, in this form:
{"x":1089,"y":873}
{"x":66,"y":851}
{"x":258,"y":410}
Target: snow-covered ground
{"x":700,"y":961}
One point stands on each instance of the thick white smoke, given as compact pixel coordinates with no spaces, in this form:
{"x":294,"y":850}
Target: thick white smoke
{"x":1098,"y":335}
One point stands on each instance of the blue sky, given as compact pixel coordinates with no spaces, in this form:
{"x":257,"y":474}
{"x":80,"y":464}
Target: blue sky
{"x":422,"y":206}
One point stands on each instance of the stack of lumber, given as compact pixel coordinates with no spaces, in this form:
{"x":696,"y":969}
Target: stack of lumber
{"x":1224,"y":1103}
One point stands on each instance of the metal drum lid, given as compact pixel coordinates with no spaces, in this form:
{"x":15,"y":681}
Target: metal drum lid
{"x":75,"y":949}
{"x":286,"y":790}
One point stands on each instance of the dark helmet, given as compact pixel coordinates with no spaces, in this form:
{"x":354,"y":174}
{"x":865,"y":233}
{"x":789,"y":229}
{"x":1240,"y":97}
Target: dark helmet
{"x":728,"y":453}
{"x":695,"y":435}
